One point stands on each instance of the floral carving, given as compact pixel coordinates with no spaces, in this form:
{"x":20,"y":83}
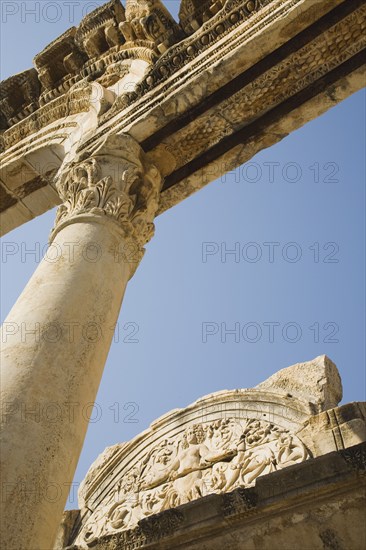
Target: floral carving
{"x":116,"y":183}
{"x":206,"y":458}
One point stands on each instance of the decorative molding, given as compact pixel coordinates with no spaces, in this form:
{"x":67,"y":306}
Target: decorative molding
{"x":150,"y":21}
{"x":275,"y":86}
{"x":234,"y":14}
{"x":18,"y":97}
{"x":111,"y":65}
{"x":163,"y":98}
{"x":149,"y":530}
{"x":77,"y":101}
{"x":187,"y":52}
{"x":114,"y":182}
{"x":110,"y":35}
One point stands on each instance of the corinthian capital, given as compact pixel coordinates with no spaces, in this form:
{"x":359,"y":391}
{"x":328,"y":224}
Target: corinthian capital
{"x":115,"y":182}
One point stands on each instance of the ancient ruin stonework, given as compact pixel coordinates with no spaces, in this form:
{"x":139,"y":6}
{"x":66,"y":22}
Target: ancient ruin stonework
{"x":209,"y":458}
{"x":114,"y":182}
{"x":226,"y":444}
{"x":201,"y":96}
{"x":121,"y":118}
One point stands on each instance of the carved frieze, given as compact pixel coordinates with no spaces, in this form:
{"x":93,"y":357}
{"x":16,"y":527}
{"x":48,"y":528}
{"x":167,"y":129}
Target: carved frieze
{"x":213,"y":457}
{"x":278,"y":84}
{"x":195,"y":101}
{"x":114,"y":182}
{"x":110,"y":35}
{"x":208,"y":33}
{"x":115,"y":62}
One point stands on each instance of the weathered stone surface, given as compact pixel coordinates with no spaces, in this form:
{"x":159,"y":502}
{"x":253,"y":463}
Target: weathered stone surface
{"x":18,"y":97}
{"x":68,"y":312}
{"x":211,"y":457}
{"x":193,"y":13}
{"x":202,"y":95}
{"x":186,"y":102}
{"x":319,"y":502}
{"x":68,"y":524}
{"x":316,"y":381}
{"x":335,"y":429}
{"x":225,"y":441}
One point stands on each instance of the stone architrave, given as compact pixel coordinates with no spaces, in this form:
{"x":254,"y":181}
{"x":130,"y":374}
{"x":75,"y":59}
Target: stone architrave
{"x":201,"y":96}
{"x":57,"y":336}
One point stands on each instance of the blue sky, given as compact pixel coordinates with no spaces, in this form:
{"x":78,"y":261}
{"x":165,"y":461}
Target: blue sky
{"x":302,"y":297}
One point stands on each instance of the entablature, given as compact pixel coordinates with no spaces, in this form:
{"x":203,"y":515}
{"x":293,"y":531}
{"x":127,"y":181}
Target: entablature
{"x":201,"y":97}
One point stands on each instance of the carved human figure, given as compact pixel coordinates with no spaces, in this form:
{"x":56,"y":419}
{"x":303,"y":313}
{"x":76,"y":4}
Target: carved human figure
{"x":251,"y":459}
{"x":187,"y":470}
{"x":257,"y":462}
{"x":127,"y":485}
{"x":185,"y":473}
{"x":226,"y":475}
{"x":209,"y":458}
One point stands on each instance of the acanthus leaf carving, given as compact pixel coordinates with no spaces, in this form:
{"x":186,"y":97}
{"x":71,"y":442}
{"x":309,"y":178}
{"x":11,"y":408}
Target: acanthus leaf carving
{"x":115,"y":182}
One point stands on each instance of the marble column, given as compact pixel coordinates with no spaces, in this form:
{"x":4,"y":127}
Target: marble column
{"x":56,"y":338}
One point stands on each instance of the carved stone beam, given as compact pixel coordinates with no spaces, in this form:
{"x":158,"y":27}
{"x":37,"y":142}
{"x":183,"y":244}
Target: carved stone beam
{"x":193,"y":13}
{"x":251,"y":74}
{"x":149,"y":20}
{"x":57,"y":337}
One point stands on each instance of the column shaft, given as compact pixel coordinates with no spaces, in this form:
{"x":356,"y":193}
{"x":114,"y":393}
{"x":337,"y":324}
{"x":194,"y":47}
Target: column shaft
{"x":57,"y":337}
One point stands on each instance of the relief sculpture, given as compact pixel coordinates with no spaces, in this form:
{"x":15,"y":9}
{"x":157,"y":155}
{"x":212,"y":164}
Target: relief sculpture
{"x":215,"y":457}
